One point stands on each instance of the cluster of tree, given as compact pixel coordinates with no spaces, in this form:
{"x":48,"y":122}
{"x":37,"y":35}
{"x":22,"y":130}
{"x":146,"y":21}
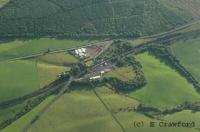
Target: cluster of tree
{"x":32,"y":99}
{"x":126,"y":86}
{"x":28,"y":107}
{"x":78,"y":69}
{"x":84,"y":18}
{"x":116,"y":51}
{"x":155,"y":112}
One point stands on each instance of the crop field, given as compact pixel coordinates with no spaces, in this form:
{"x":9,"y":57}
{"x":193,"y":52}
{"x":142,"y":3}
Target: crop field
{"x":17,"y":78}
{"x":165,"y":87}
{"x":21,"y":123}
{"x":19,"y":48}
{"x":78,"y":111}
{"x":188,"y":53}
{"x":124,"y":73}
{"x":58,"y":59}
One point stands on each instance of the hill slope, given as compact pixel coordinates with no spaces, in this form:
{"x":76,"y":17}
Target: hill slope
{"x":93,"y":17}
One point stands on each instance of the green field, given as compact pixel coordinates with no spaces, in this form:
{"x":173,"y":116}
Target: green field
{"x":21,"y":123}
{"x":20,"y":48}
{"x":75,"y":112}
{"x":188,"y":53}
{"x":3,"y":2}
{"x":113,"y":100}
{"x":17,"y":78}
{"x":128,"y":119}
{"x":165,"y":87}
{"x":6,"y":113}
{"x":185,"y":115}
{"x":124,"y":73}
{"x":48,"y":73}
{"x":58,"y":59}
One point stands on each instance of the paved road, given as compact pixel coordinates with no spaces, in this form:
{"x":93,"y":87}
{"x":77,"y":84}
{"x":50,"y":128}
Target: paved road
{"x":173,"y":30}
{"x":61,"y":50}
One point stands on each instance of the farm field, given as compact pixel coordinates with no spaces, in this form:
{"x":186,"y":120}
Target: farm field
{"x":165,"y":87}
{"x":127,"y":119}
{"x":3,"y":2}
{"x":26,"y":77}
{"x":124,"y":73}
{"x":58,"y":59}
{"x":21,"y":123}
{"x":185,"y":115}
{"x":47,"y":73}
{"x":115,"y":101}
{"x":19,"y":48}
{"x":6,"y":113}
{"x":78,"y":111}
{"x":17,"y":78}
{"x":188,"y":53}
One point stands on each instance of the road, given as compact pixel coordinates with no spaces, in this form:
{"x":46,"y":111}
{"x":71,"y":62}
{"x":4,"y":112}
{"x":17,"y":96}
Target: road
{"x":105,"y":42}
{"x":61,"y":50}
{"x":61,"y":92}
{"x":172,"y":31}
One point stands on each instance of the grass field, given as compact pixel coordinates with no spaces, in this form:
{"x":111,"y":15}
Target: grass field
{"x":6,"y":113}
{"x":185,"y":115}
{"x":188,"y":53}
{"x":47,"y":73}
{"x":21,"y":123}
{"x":165,"y":87}
{"x":58,"y":59}
{"x":20,"y":48}
{"x":75,"y":112}
{"x":115,"y":101}
{"x":3,"y":2}
{"x":128,"y":119}
{"x":124,"y":73}
{"x":17,"y":78}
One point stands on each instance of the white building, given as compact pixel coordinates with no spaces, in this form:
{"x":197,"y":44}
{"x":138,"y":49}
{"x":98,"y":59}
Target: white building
{"x":81,"y":52}
{"x":95,"y":77}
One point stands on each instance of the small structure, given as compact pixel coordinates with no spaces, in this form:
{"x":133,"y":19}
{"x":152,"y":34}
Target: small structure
{"x":95,"y":78}
{"x":81,"y":52}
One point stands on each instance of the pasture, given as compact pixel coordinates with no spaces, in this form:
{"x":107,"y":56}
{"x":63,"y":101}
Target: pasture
{"x":3,"y":2}
{"x":188,"y":53}
{"x":47,"y":73}
{"x":21,"y":77}
{"x":165,"y":88}
{"x":58,"y":59}
{"x":22,"y":122}
{"x":78,"y":111}
{"x":124,"y":73}
{"x":17,"y":78}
